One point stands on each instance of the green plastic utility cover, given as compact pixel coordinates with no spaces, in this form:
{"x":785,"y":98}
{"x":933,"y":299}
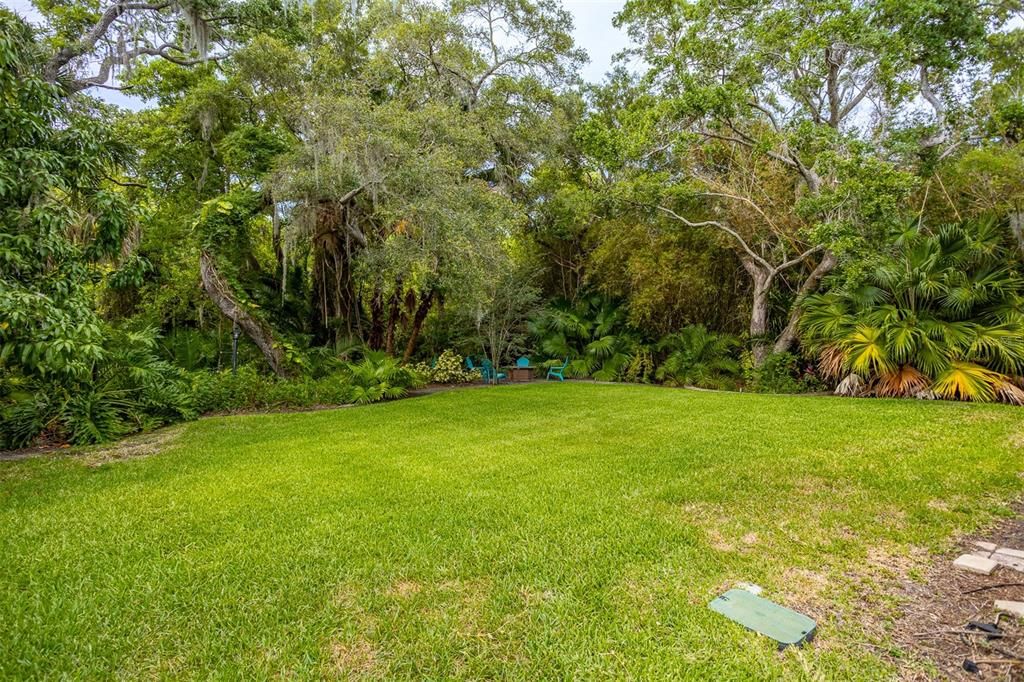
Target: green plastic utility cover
{"x":785,"y":626}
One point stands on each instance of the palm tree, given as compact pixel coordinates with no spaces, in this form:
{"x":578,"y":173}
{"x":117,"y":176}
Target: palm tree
{"x":943,"y":318}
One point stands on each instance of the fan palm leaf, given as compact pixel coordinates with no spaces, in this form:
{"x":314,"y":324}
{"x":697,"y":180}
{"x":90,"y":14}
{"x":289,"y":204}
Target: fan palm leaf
{"x":903,"y":382}
{"x":866,"y":351}
{"x":831,"y":361}
{"x":852,"y":385}
{"x":1008,"y":392}
{"x":1000,"y":347}
{"x":968,"y":381}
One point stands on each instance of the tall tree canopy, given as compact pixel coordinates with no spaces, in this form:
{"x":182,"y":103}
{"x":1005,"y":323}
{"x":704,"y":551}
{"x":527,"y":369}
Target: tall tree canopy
{"x":770,"y":122}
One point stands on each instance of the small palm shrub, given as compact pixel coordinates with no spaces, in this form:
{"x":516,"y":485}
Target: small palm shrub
{"x":594,"y":335}
{"x":378,"y":376}
{"x":449,"y":368}
{"x":943,"y":318}
{"x":698,"y":357}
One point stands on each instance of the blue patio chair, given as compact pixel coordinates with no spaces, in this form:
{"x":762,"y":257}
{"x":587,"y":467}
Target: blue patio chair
{"x":488,"y":372}
{"x":484,"y":374}
{"x":523,"y":362}
{"x":558,"y":372}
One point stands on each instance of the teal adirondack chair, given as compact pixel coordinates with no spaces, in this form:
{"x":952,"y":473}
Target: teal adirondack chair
{"x":523,"y":362}
{"x":471,"y":367}
{"x":489,"y":372}
{"x":558,"y":372}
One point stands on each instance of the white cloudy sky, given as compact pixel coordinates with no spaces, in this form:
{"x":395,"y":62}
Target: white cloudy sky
{"x":594,"y":31}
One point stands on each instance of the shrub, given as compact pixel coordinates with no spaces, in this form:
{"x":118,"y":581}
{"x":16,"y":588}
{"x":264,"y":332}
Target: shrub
{"x":379,"y":376}
{"x":641,"y":367}
{"x":779,"y":373}
{"x":943,"y":317}
{"x":449,"y":368}
{"x":594,"y":335}
{"x":697,"y":357}
{"x":250,"y":390}
{"x":126,"y":388}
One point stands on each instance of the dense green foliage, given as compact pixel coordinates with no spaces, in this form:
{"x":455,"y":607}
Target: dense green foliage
{"x":337,"y":180}
{"x":436,"y":538}
{"x":65,"y":373}
{"x":697,"y":357}
{"x":249,"y":390}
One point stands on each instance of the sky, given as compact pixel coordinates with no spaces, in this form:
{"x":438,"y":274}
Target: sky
{"x":593,"y":32}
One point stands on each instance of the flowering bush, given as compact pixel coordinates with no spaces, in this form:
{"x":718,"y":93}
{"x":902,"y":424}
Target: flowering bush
{"x":448,"y":369}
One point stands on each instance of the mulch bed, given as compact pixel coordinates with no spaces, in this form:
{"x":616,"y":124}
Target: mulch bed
{"x":938,"y":609}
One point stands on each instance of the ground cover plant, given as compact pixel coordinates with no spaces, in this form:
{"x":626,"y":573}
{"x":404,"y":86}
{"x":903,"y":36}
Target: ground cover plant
{"x":523,"y":532}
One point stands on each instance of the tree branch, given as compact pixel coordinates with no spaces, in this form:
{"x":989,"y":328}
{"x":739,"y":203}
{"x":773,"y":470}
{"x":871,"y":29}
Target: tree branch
{"x":747,"y":201}
{"x":88,"y":41}
{"x":724,"y":228}
{"x":785,"y":340}
{"x":799,"y":259}
{"x":856,"y":99}
{"x":940,"y":110}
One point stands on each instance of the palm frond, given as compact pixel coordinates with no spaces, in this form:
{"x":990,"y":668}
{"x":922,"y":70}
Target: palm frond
{"x":852,"y":385}
{"x":866,"y":351}
{"x":1008,"y":392}
{"x":903,"y":382}
{"x":968,"y":381}
{"x":831,"y":361}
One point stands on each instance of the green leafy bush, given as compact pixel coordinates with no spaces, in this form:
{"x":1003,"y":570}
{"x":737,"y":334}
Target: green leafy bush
{"x":450,"y":368}
{"x":250,"y":390}
{"x":594,"y":335}
{"x":779,"y":373}
{"x":126,"y":388}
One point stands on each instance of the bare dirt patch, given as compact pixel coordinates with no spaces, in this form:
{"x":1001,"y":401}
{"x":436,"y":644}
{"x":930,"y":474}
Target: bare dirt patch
{"x":405,"y":589}
{"x":354,"y":659}
{"x":937,"y":610}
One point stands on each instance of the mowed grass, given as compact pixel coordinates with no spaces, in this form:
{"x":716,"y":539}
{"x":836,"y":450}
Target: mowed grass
{"x":521,"y":532}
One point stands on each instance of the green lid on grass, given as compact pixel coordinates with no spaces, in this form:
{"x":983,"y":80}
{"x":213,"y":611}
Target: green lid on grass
{"x":785,"y":626}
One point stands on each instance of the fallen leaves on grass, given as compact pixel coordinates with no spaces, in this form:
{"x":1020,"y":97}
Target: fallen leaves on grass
{"x":141,"y":445}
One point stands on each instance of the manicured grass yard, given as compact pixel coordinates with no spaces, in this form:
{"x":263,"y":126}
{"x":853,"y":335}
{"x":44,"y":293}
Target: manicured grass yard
{"x":524,"y":532}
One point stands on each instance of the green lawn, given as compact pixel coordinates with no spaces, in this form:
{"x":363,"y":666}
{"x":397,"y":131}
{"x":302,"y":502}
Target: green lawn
{"x":522,"y":532}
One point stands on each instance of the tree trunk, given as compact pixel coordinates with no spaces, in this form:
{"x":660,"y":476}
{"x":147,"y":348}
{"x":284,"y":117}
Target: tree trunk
{"x":426,"y":301}
{"x":334,"y":295}
{"x":376,"y":340}
{"x":810,"y":285}
{"x":1017,"y":227}
{"x":759,"y":309}
{"x":275,"y":240}
{"x":394,"y":307}
{"x":220,"y":293}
